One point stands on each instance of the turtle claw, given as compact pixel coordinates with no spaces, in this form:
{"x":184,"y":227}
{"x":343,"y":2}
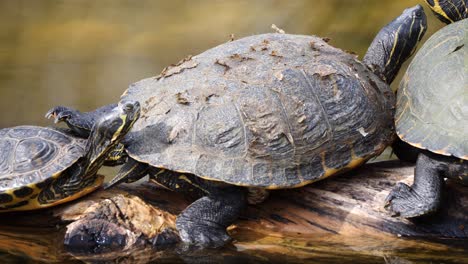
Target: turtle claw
{"x":59,"y":114}
{"x":404,"y":201}
{"x":202,"y":236}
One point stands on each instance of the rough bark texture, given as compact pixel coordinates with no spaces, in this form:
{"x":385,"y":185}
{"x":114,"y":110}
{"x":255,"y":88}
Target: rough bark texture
{"x":346,"y":211}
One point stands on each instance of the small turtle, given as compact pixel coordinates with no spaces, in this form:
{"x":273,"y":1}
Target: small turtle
{"x":42,"y":167}
{"x":432,"y":115}
{"x":264,"y":112}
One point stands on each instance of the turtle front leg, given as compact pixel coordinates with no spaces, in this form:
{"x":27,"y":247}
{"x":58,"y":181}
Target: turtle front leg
{"x":425,"y":195}
{"x":118,"y":156}
{"x":131,"y":171}
{"x":81,"y":123}
{"x":204,"y":222}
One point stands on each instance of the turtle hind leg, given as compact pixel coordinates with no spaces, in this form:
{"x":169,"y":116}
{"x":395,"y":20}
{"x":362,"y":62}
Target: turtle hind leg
{"x":81,"y":123}
{"x":425,"y":195}
{"x":203,"y":224}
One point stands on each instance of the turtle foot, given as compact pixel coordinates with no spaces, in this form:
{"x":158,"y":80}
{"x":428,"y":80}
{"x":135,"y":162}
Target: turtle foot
{"x":404,"y":201}
{"x":78,"y":122}
{"x":196,"y":235}
{"x":166,"y":238}
{"x":60,"y":113}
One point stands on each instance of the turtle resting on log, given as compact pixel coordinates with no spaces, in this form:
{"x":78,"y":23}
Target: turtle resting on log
{"x":432,"y":114}
{"x":448,"y":11}
{"x":270,"y":111}
{"x":42,"y":167}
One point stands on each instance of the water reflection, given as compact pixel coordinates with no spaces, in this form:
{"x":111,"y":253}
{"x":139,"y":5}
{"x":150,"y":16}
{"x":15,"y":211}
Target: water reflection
{"x":43,"y":246}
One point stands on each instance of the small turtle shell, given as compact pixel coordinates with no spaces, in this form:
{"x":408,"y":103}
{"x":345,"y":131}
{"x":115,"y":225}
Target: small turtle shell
{"x":31,"y":155}
{"x":270,"y":111}
{"x":432,"y":104}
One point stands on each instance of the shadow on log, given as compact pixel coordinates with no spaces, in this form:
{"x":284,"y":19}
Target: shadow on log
{"x":336,"y":219}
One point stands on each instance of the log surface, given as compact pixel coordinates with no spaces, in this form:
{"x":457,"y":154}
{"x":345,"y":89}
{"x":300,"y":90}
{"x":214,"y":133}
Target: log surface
{"x":343,"y":212}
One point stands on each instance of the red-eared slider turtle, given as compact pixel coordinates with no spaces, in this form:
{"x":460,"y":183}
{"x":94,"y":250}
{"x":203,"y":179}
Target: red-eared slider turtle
{"x":447,"y":11}
{"x":432,"y":115}
{"x":42,"y":167}
{"x":268,"y":111}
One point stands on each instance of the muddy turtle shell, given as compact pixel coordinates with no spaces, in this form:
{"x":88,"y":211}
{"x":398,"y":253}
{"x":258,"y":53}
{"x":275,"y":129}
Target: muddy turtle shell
{"x":271,"y":110}
{"x":432,"y":103}
{"x":31,"y":156}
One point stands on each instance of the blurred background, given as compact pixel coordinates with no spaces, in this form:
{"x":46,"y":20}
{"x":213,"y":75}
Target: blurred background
{"x":84,"y":53}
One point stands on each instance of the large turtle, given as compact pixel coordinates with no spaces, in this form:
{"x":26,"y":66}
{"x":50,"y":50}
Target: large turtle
{"x":42,"y":167}
{"x":266,"y":112}
{"x":432,"y":116}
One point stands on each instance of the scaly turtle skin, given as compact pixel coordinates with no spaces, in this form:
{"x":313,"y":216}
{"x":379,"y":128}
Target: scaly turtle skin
{"x":432,"y":116}
{"x":449,"y":11}
{"x":42,"y":167}
{"x":265,"y":112}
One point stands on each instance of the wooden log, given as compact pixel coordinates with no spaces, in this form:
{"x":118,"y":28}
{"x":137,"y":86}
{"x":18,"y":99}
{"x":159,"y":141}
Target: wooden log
{"x":353,"y":205}
{"x":343,"y":212}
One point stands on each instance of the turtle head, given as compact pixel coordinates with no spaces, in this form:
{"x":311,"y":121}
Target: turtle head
{"x":396,"y":42}
{"x":118,"y":122}
{"x":108,"y":132}
{"x":82,"y":178}
{"x":448,"y":11}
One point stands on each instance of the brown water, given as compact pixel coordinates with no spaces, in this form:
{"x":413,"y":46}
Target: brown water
{"x":84,"y":53}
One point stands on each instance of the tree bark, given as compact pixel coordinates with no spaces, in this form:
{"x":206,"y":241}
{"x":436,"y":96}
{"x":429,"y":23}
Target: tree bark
{"x":346,"y":210}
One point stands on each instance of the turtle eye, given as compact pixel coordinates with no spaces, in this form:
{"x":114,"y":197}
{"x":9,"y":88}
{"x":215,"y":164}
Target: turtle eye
{"x":128,"y":107}
{"x":417,"y":14}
